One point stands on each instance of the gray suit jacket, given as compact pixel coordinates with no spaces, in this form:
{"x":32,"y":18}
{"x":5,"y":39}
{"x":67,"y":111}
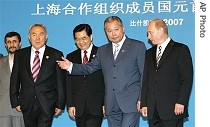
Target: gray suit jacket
{"x":5,"y":105}
{"x":123,"y":77}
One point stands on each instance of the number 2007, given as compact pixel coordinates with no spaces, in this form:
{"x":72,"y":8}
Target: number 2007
{"x":175,"y":22}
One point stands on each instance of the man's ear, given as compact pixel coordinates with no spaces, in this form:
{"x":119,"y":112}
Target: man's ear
{"x":20,"y":44}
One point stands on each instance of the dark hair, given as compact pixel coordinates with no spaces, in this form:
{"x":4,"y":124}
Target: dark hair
{"x":11,"y":34}
{"x":111,"y":19}
{"x":82,"y":27}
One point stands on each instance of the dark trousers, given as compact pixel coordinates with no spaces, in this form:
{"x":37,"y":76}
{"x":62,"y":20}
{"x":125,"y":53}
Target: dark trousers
{"x":156,"y":121}
{"x":87,"y":119}
{"x":37,"y":118}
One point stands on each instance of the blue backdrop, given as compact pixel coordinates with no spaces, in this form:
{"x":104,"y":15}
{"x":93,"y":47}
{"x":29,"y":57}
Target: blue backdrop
{"x":61,"y":16}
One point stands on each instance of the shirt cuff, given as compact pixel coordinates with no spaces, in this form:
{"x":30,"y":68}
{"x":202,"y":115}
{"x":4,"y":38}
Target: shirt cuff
{"x":70,"y":68}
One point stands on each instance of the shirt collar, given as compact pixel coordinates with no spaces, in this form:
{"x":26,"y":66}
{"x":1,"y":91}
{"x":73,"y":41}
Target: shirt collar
{"x":41,"y":50}
{"x":165,"y":43}
{"x":121,"y":42}
{"x":88,"y":50}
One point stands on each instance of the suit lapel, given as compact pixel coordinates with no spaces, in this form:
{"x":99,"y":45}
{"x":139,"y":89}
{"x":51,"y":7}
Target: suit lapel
{"x":110,"y":51}
{"x":154,"y":48}
{"x":77,"y":57}
{"x":123,"y":49}
{"x":167,"y":51}
{"x":6,"y":67}
{"x":93,"y":52}
{"x":45,"y":62}
{"x":26,"y":59}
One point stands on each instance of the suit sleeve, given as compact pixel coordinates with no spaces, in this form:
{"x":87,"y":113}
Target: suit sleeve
{"x":186,"y":74}
{"x":14,"y":83}
{"x":69,"y":100}
{"x":61,"y":86}
{"x":141,"y":59}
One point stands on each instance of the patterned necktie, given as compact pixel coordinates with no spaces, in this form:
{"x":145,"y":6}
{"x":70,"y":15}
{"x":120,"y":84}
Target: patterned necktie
{"x":158,"y":55}
{"x":36,"y":66}
{"x":85,"y":58}
{"x":116,"y":50}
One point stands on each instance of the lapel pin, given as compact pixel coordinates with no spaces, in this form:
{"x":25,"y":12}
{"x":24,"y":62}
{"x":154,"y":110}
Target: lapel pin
{"x":47,"y":57}
{"x":123,"y":50}
{"x":94,"y":56}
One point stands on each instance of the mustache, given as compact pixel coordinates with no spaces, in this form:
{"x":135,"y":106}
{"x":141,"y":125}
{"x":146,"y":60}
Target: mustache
{"x":13,"y":47}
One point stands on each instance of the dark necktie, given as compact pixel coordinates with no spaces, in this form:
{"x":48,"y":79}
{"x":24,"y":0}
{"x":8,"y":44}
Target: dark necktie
{"x":36,"y":66}
{"x":158,"y":55}
{"x":85,"y":58}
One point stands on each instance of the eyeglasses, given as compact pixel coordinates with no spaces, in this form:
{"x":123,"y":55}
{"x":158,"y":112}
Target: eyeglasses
{"x":83,"y":39}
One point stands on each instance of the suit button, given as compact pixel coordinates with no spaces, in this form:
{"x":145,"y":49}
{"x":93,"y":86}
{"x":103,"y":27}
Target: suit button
{"x":35,"y":97}
{"x":113,"y":89}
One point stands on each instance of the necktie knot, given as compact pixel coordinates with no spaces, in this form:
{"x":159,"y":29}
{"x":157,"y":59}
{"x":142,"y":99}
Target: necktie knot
{"x":85,"y":52}
{"x":37,"y":52}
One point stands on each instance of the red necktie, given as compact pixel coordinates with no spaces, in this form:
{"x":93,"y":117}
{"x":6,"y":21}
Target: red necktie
{"x":85,"y":58}
{"x":36,"y":66}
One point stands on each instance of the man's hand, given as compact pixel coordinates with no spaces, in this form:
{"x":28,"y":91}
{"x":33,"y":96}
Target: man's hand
{"x":18,"y":108}
{"x":72,"y":112}
{"x":65,"y":64}
{"x":104,"y":111}
{"x":138,"y":105}
{"x":179,"y":109}
{"x":57,"y":111}
{"x":144,"y":111}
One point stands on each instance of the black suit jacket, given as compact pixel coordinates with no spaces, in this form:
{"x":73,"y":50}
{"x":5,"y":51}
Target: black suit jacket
{"x":49,"y":88}
{"x":169,"y":83}
{"x":87,"y":89}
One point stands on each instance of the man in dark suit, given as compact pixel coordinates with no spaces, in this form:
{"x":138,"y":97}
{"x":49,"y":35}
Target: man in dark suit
{"x":122,"y":68}
{"x":167,"y":80}
{"x":41,"y":96}
{"x":85,"y":94}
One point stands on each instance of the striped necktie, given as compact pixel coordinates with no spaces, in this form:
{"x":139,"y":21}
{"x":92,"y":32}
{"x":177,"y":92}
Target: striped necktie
{"x":36,"y":66}
{"x":158,"y":55}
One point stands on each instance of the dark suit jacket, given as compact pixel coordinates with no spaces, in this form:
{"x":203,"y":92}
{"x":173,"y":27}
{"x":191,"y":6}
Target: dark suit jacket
{"x":123,"y":76}
{"x":87,"y":89}
{"x":49,"y":87}
{"x":168,"y":84}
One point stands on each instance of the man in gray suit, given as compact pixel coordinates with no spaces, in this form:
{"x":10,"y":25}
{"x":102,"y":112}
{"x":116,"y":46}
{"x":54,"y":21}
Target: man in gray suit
{"x":122,"y":68}
{"x":9,"y":117}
